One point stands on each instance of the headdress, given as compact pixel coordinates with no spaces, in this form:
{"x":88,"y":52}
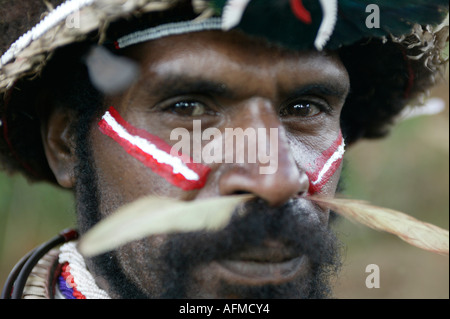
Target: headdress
{"x":393,"y":50}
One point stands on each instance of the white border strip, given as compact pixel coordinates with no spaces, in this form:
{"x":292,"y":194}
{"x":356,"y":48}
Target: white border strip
{"x":168,"y":29}
{"x":160,"y":156}
{"x":51,"y":20}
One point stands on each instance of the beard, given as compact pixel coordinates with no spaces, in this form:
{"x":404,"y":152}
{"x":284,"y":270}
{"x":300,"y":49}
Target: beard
{"x":291,"y":224}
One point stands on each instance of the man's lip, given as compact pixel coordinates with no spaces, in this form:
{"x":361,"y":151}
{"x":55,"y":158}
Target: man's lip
{"x":247,"y":272}
{"x":271,"y":251}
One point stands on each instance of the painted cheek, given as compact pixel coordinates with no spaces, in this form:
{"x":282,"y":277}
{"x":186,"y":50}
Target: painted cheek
{"x":153,"y":152}
{"x":326,"y":165}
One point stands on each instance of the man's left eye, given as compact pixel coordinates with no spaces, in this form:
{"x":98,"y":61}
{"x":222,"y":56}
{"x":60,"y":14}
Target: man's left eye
{"x":301,"y":109}
{"x":189,"y":108}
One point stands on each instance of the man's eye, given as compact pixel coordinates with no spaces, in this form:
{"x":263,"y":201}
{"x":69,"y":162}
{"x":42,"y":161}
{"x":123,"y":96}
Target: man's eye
{"x":301,"y":109}
{"x":189,"y":108}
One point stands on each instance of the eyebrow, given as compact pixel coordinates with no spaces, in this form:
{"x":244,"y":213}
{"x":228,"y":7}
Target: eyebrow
{"x":327,"y":88}
{"x":175,"y":85}
{"x":180,"y":84}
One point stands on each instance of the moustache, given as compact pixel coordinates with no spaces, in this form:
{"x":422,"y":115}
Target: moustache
{"x":295,"y":226}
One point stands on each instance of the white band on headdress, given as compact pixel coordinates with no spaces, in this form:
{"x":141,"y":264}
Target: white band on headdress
{"x":52,"y":19}
{"x":330,"y":11}
{"x":168,"y":29}
{"x":232,"y":13}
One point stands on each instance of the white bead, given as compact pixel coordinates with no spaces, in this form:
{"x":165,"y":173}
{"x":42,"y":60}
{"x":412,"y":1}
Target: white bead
{"x":85,"y":282}
{"x":169,"y":29}
{"x":52,"y":19}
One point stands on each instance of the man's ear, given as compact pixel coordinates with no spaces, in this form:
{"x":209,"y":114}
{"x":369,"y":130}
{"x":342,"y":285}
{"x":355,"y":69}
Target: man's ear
{"x":59,"y":145}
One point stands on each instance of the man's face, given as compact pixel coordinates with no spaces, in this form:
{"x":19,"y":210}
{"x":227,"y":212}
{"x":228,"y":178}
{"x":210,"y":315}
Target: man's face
{"x":226,"y":81}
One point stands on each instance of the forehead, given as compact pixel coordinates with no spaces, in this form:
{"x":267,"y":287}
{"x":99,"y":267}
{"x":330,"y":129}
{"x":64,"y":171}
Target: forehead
{"x":208,"y":53}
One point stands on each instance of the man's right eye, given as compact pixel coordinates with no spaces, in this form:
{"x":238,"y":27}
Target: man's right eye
{"x":189,"y":108}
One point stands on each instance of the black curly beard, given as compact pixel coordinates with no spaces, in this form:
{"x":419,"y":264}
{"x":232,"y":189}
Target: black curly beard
{"x":288,"y":224}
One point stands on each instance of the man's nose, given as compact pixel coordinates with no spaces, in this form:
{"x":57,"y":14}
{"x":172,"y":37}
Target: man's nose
{"x":275,"y":185}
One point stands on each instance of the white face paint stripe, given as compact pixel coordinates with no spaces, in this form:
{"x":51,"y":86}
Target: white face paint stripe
{"x":328,"y":165}
{"x":178,"y":169}
{"x":160,"y":156}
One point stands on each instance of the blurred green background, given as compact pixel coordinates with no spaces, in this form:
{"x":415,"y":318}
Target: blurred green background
{"x":408,"y":171}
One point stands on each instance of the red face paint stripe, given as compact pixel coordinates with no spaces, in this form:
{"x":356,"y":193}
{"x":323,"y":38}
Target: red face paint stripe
{"x":323,"y":158}
{"x":153,"y":139}
{"x":326,"y":165}
{"x":314,"y":188}
{"x":176,"y":169}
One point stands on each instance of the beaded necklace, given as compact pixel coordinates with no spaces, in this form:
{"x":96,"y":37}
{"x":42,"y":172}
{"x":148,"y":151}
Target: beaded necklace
{"x":75,"y":281}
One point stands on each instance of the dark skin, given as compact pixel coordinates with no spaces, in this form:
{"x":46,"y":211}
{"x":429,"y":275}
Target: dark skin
{"x":230,"y":81}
